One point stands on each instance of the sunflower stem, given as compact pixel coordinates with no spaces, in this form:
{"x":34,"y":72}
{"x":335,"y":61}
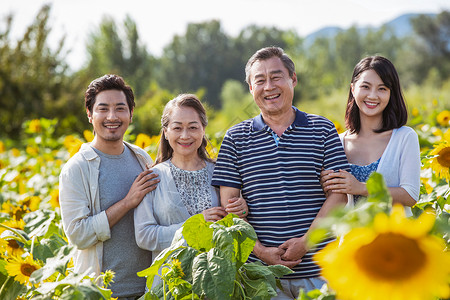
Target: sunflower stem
{"x":32,"y":245}
{"x":22,"y":238}
{"x":4,"y":285}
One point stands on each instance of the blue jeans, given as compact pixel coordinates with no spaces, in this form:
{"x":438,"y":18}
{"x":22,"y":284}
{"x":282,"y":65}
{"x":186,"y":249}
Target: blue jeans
{"x":291,"y":287}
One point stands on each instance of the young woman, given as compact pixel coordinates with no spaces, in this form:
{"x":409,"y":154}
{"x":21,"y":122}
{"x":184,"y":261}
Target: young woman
{"x":376,"y":138}
{"x":185,"y":172}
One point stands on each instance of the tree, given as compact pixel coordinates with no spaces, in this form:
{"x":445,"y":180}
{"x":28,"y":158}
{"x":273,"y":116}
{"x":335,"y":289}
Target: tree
{"x":199,"y":59}
{"x":435,"y":33}
{"x":111,"y":50}
{"x":32,"y":75}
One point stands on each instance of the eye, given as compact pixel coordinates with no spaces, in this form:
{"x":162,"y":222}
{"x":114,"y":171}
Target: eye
{"x":193,"y":127}
{"x":364,"y":86}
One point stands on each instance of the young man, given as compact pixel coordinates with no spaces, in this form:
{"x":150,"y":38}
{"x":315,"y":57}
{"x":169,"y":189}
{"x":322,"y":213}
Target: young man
{"x":275,"y":160}
{"x":101,"y":185}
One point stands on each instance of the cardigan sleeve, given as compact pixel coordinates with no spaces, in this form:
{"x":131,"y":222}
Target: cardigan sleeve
{"x":83,"y":228}
{"x":410,"y":164}
{"x":149,"y":234}
{"x":401,"y":166}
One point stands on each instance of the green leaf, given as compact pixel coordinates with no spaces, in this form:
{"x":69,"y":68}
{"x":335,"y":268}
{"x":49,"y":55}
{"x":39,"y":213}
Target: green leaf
{"x":377,"y":190}
{"x":197,"y":233}
{"x":47,"y":247}
{"x":38,"y":222}
{"x":152,"y":271}
{"x":186,"y":258}
{"x":11,"y":288}
{"x":242,"y":233}
{"x":256,"y":270}
{"x":213,"y":275}
{"x":58,"y":263}
{"x":224,"y":241}
{"x":74,"y":286}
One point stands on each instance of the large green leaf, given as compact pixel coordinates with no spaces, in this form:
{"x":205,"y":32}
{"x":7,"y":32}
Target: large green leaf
{"x":242,"y":233}
{"x":213,"y":275}
{"x":224,"y":241}
{"x":186,"y":258}
{"x":197,"y":233}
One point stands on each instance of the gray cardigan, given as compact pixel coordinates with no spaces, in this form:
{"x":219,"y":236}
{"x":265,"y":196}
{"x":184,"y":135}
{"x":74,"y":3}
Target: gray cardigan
{"x":162,"y":212}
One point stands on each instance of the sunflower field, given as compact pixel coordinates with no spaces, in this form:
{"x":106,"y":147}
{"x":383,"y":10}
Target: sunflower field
{"x":36,"y":259}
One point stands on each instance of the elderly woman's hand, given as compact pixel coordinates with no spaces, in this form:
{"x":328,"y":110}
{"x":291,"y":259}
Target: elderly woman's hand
{"x":237,"y":206}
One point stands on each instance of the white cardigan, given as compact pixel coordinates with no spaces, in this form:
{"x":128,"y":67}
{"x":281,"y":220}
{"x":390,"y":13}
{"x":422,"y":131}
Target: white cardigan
{"x":162,"y":212}
{"x":400,"y":163}
{"x":85,"y":224}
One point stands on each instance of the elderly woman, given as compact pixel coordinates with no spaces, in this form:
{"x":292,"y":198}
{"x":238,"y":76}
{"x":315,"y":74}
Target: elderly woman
{"x":185,"y":170}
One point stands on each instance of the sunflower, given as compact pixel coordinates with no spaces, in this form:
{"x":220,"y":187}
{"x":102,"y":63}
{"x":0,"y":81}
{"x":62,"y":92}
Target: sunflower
{"x":394,"y":259}
{"x":35,"y":126}
{"x":143,"y":140}
{"x":21,"y":268}
{"x":88,"y":135}
{"x":3,"y":245}
{"x":54,"y":198}
{"x":443,"y":118}
{"x":13,"y":223}
{"x":177,"y":269}
{"x":13,"y":248}
{"x":31,"y":203}
{"x":440,"y":163}
{"x":2,"y":147}
{"x":72,"y":144}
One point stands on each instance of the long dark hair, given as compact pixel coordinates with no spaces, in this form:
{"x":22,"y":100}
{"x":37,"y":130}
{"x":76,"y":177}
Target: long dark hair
{"x":395,"y":115}
{"x":165,"y":151}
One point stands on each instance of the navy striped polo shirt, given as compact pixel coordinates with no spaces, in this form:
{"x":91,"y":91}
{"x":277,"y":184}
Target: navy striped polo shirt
{"x":281,"y":182}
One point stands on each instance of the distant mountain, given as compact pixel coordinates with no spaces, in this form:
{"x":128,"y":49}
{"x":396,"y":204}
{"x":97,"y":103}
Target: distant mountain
{"x":401,"y":26}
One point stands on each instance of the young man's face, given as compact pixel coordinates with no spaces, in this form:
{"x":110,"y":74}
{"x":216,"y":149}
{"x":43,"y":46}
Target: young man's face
{"x":271,"y":86}
{"x":110,"y":116}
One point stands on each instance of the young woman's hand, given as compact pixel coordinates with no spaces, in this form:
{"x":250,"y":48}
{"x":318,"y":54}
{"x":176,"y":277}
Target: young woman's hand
{"x":342,"y":182}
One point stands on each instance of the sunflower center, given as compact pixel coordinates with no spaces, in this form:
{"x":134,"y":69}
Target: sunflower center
{"x":27,"y":269}
{"x":444,"y":157}
{"x":391,"y":257}
{"x":13,"y":244}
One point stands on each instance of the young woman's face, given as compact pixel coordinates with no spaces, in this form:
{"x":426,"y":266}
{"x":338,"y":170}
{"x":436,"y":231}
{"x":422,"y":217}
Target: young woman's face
{"x":371,"y":94}
{"x":185,"y":132}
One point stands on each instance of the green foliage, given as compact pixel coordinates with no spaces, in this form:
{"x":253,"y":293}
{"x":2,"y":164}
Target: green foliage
{"x":213,"y":263}
{"x":120,"y":52}
{"x":32,"y":76}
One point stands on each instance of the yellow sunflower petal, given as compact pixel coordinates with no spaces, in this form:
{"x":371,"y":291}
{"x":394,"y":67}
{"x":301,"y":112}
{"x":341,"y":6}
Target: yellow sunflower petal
{"x":379,"y":263}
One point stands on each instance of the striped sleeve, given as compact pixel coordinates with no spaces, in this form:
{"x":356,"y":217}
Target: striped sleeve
{"x":225,"y":171}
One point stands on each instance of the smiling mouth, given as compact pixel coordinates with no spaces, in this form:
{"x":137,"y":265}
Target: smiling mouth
{"x":112,"y":126}
{"x":185,"y":144}
{"x":370,"y":104}
{"x":272,"y":97}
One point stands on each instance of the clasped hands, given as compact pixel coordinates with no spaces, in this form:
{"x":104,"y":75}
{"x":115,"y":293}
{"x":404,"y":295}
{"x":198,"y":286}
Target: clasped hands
{"x":288,"y":254}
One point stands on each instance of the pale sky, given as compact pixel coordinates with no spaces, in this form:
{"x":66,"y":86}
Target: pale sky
{"x":159,"y":21}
